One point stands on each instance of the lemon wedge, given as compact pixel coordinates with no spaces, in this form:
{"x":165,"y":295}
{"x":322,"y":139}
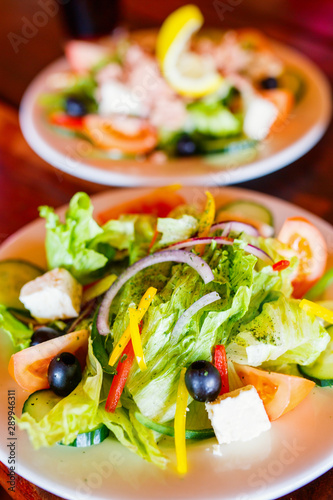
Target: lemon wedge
{"x":188,"y":73}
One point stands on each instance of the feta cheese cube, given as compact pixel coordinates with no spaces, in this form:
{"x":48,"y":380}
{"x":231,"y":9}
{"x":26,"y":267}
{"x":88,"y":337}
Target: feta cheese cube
{"x":259,"y":117}
{"x":54,"y":295}
{"x":238,"y":416}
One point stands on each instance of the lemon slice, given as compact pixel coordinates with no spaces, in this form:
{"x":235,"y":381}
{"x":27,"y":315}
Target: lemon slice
{"x":188,"y":73}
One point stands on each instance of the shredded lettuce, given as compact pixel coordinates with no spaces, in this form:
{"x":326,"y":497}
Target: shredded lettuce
{"x":17,"y":331}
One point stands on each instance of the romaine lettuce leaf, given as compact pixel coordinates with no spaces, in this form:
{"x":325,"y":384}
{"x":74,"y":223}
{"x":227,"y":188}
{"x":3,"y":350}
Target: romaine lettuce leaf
{"x":282,"y":333}
{"x":18,"y":332}
{"x":73,"y":414}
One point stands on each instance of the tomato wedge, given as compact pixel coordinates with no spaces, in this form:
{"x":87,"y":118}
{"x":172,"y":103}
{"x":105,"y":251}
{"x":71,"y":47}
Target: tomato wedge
{"x":63,"y":120}
{"x":29,"y":367}
{"x":280,"y":393}
{"x":284,"y":101}
{"x":310,"y":247}
{"x":158,"y":202}
{"x":130,"y":135}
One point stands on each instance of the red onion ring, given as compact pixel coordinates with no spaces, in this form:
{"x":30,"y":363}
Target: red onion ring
{"x":191,"y":259}
{"x":220,"y":240}
{"x":234,"y":225}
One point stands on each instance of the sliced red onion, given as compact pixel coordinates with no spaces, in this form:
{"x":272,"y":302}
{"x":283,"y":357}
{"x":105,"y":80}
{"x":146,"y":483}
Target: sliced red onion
{"x":258,"y":253}
{"x":234,"y":225}
{"x":191,"y":259}
{"x":191,"y":311}
{"x":220,"y":240}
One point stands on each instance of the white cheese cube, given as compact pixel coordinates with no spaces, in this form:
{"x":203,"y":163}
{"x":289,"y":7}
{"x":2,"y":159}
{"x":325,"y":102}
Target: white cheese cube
{"x":115,"y":97}
{"x":238,"y":415}
{"x":54,"y":295}
{"x":259,"y":117}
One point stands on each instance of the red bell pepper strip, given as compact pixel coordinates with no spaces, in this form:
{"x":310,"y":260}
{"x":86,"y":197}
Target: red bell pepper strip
{"x":119,"y":380}
{"x":221,"y":363}
{"x":281,"y":265}
{"x":66,"y":121}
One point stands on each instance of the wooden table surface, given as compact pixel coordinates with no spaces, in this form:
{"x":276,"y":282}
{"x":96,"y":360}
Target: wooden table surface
{"x":26,"y":181}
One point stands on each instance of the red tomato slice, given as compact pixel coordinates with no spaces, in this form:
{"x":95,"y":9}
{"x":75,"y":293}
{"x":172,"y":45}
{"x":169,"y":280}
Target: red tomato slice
{"x":310,"y":247}
{"x":280,"y":393}
{"x":126,"y":134}
{"x":284,"y":101}
{"x":29,"y":367}
{"x":158,"y":202}
{"x":63,"y":120}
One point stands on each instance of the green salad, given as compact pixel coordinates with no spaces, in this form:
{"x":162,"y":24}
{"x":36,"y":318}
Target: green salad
{"x":141,"y":316}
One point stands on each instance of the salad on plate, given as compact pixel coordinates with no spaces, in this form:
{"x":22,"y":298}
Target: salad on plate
{"x":173,"y":93}
{"x":157,"y":320}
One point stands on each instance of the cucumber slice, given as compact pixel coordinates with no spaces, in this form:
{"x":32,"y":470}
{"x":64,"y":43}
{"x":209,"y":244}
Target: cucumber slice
{"x":321,"y":371}
{"x":95,"y":436}
{"x":13,"y":275}
{"x":248,"y":210}
{"x":40,"y":403}
{"x":213,"y":146}
{"x":167,"y":430}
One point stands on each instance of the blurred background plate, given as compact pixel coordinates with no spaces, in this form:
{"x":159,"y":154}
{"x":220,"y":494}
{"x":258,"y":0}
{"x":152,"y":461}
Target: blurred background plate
{"x":303,"y":130}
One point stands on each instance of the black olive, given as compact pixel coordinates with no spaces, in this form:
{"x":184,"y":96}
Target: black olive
{"x":74,"y":106}
{"x":203,"y":381}
{"x":186,"y":146}
{"x":269,"y":83}
{"x":43,"y":334}
{"x":64,"y":373}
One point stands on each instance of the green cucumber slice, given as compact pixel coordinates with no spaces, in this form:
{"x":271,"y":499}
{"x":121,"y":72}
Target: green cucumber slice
{"x":40,"y":403}
{"x":90,"y":438}
{"x":167,"y":430}
{"x":213,"y":146}
{"x":321,"y":371}
{"x":249,"y":210}
{"x":14,"y":274}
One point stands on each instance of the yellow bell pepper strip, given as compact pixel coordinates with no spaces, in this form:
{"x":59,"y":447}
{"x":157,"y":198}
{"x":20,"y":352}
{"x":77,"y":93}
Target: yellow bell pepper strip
{"x":206,"y":221}
{"x":96,"y":289}
{"x":145,"y":302}
{"x":317,"y":310}
{"x":136,"y":339}
{"x":180,"y":424}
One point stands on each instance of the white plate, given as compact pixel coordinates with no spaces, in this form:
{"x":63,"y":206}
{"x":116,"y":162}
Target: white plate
{"x":77,"y":157}
{"x":298,"y":448}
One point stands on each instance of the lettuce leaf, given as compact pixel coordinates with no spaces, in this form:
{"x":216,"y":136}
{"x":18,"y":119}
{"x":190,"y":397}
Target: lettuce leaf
{"x":67,"y":243}
{"x":74,"y":414}
{"x":135,"y":436}
{"x":282,"y":333}
{"x":173,"y":230}
{"x":17,"y":331}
